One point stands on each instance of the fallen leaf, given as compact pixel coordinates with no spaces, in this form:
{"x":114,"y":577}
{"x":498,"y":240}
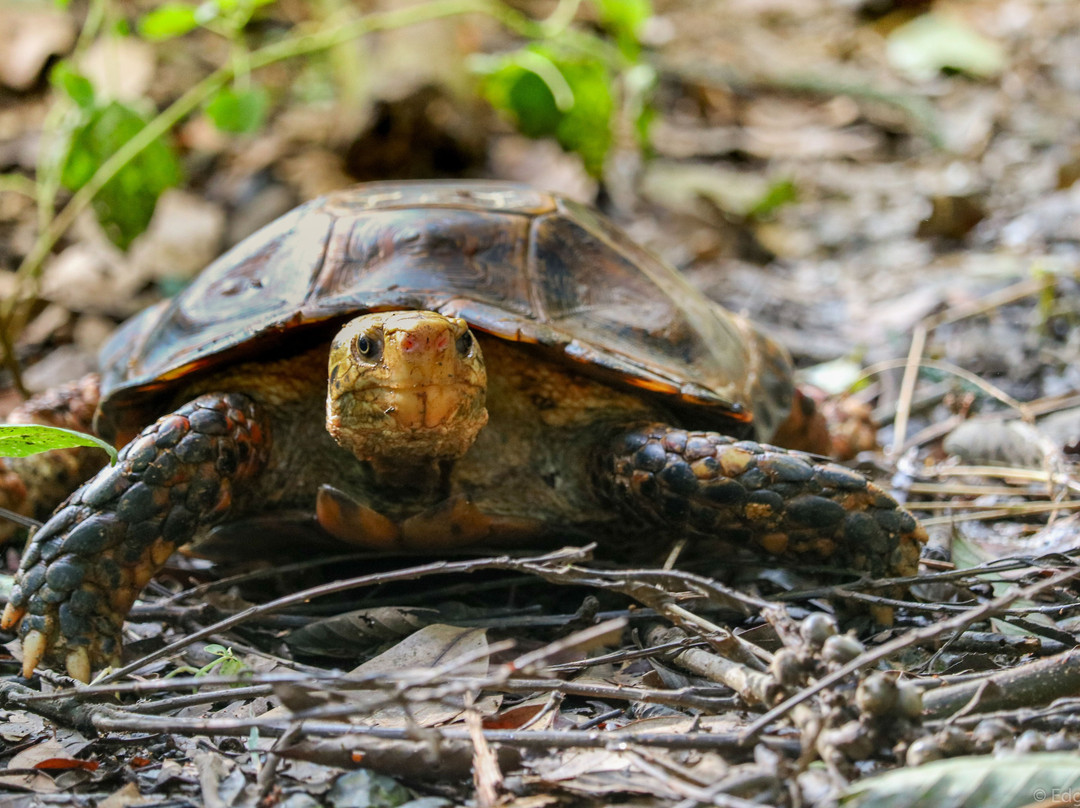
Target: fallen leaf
{"x":29,"y":758}
{"x":931,"y":43}
{"x":120,"y":68}
{"x":29,"y":37}
{"x":126,"y":796}
{"x":67,"y":763}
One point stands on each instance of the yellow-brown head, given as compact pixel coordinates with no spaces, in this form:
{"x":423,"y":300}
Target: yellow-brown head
{"x":406,"y":386}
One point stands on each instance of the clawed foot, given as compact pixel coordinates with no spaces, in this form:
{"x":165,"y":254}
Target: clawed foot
{"x":47,"y":645}
{"x":84,"y":568}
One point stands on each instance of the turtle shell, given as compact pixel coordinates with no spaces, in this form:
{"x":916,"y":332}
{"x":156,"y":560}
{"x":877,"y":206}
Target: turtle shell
{"x":514,"y":262}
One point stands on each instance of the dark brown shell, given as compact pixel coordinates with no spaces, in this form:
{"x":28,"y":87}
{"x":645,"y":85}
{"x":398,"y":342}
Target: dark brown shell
{"x":514,"y":262}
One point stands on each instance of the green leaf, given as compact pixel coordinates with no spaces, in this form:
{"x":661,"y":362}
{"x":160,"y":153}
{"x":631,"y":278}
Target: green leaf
{"x":624,"y":18}
{"x":238,"y":112}
{"x":233,"y":14}
{"x":779,"y":194}
{"x":207,"y":12}
{"x":126,"y":203}
{"x":76,"y":86}
{"x":987,"y":782}
{"x":935,"y":42}
{"x":17,"y":440}
{"x":168,"y":21}
{"x":576,"y":109}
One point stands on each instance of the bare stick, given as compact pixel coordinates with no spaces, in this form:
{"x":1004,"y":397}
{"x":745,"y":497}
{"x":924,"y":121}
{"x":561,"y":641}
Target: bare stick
{"x":563,"y":556}
{"x":1026,"y":685}
{"x":909,"y":639}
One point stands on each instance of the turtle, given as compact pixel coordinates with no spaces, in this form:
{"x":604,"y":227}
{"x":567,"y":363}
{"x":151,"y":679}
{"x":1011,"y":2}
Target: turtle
{"x":430,"y":365}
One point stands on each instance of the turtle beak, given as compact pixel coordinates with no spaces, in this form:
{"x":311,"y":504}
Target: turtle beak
{"x":424,"y":389}
{"x":422,"y":408}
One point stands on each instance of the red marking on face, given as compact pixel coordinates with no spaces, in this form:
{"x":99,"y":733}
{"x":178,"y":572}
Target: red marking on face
{"x":410,"y":342}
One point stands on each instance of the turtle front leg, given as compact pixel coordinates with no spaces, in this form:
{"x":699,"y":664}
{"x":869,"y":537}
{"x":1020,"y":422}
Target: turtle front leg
{"x":742,"y":491}
{"x":84,"y":567}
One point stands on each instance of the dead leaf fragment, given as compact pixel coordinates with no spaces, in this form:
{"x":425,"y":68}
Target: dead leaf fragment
{"x":28,"y":759}
{"x":120,"y":68}
{"x":931,"y":43}
{"x":343,"y":635}
{"x":124,"y":797}
{"x":29,"y":36}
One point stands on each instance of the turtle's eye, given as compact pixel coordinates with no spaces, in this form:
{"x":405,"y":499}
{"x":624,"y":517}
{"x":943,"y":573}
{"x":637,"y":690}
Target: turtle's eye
{"x":366,"y":348}
{"x":464,"y":343}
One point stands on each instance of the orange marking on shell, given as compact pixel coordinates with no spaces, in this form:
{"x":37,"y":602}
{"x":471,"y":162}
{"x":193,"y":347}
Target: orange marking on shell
{"x":734,"y":461}
{"x":775,"y":543}
{"x":653,"y":386}
{"x":160,"y":551}
{"x":758,"y":512}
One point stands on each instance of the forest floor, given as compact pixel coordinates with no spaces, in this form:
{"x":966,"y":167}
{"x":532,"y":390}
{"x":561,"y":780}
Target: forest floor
{"x":888,"y":188}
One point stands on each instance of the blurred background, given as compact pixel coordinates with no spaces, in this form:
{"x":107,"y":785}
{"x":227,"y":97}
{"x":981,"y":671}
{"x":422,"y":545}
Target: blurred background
{"x":843,"y":170}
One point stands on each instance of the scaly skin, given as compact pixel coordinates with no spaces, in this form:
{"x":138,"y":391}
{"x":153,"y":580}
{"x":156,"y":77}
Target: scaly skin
{"x":404,"y":407}
{"x":86,"y":565}
{"x":746,"y":492}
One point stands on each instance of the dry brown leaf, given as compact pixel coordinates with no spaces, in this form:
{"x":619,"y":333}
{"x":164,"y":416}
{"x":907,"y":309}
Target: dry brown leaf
{"x":28,"y":759}
{"x":120,"y":68}
{"x":184,"y":236}
{"x":126,"y":796}
{"x":521,"y":714}
{"x":344,"y":634}
{"x":29,"y":36}
{"x":212,"y":769}
{"x":427,"y":648}
{"x":430,"y":647}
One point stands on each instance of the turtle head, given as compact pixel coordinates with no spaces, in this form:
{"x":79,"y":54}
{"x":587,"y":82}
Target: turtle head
{"x":406,"y":387}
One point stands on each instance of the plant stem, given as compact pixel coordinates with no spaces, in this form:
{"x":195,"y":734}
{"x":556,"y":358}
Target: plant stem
{"x":301,"y":45}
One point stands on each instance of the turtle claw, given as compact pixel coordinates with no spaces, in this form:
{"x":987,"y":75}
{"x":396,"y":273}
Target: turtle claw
{"x":12,"y":616}
{"x":77,"y":665}
{"x":33,"y":648}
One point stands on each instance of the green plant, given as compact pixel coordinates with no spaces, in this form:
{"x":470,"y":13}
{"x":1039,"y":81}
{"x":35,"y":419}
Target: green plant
{"x":555,"y":88}
{"x":226,"y":663}
{"x":565,"y":81}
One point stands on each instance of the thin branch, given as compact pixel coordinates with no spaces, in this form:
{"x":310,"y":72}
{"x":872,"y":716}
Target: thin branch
{"x":564,"y":556}
{"x":909,"y":639}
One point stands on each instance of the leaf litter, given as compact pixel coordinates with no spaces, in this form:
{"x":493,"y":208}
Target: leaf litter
{"x":798,"y":176}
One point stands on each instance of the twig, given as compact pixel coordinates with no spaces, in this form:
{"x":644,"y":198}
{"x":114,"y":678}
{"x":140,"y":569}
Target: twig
{"x":754,"y":687}
{"x":566,"y":555}
{"x":907,"y":640}
{"x":111,"y":719}
{"x":1023,"y":686}
{"x":907,"y":388}
{"x":917,"y":107}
